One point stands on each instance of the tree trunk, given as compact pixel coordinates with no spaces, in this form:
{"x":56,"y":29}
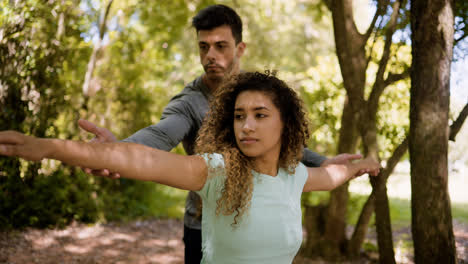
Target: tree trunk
{"x":97,"y":46}
{"x":432,"y":24}
{"x":383,"y":222}
{"x":335,"y":239}
{"x":315,"y":225}
{"x":326,"y":237}
{"x":351,"y":56}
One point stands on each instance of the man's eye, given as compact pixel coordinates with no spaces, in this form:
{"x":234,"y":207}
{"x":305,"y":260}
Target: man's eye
{"x":261,"y":115}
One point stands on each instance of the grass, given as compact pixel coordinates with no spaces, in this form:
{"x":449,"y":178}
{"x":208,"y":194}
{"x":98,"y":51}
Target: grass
{"x":399,"y":192}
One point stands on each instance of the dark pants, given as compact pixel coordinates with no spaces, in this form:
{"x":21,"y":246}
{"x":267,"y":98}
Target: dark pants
{"x":192,"y":241}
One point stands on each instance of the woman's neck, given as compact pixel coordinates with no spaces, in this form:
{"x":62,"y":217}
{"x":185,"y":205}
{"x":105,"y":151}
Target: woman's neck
{"x":268,"y":166}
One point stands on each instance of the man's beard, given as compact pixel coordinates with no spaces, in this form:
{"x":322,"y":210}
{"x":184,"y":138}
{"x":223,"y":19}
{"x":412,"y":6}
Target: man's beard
{"x":219,"y":78}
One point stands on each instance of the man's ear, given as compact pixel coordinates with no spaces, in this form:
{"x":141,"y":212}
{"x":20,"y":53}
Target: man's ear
{"x":240,"y":49}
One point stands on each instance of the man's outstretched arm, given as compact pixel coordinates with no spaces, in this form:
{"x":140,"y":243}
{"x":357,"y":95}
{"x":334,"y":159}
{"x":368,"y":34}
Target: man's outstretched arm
{"x":165,"y":135}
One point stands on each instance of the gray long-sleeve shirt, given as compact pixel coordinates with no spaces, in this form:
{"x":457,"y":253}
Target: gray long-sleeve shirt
{"x":180,"y":122}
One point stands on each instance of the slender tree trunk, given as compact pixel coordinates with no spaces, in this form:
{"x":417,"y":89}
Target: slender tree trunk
{"x":97,"y":46}
{"x":315,"y":226}
{"x":383,"y":222}
{"x":327,"y":236}
{"x":360,"y":231}
{"x":351,"y":56}
{"x":335,"y":228}
{"x":432,"y":24}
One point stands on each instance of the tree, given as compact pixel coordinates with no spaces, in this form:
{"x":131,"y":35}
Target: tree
{"x":359,"y":122}
{"x":38,"y":42}
{"x":432,"y":25}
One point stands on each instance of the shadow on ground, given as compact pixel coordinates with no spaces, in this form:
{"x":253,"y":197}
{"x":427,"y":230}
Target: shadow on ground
{"x":140,"y":242}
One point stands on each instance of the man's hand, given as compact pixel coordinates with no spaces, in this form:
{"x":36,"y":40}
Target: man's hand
{"x":102,"y":135}
{"x":346,"y":158}
{"x":373,"y":167}
{"x":16,"y":144}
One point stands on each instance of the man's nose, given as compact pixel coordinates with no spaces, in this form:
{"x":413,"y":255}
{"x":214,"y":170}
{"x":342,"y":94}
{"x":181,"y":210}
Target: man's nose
{"x":211,"y":54}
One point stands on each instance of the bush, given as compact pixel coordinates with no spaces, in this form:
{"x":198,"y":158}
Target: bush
{"x":46,"y":201}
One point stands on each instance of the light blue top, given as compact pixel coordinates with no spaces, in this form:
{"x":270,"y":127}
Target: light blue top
{"x":269,"y":232}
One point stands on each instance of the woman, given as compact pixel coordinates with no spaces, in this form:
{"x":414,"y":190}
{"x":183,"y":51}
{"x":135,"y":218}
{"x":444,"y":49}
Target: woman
{"x":248,"y":173}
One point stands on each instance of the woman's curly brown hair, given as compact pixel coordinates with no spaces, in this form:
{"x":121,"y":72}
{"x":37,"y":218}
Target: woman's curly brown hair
{"x":217,"y":136}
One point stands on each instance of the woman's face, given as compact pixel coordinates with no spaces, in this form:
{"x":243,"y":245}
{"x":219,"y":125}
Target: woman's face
{"x":257,"y":125}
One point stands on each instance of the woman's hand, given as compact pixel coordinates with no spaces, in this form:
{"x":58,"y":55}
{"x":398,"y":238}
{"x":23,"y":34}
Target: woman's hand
{"x":16,"y":144}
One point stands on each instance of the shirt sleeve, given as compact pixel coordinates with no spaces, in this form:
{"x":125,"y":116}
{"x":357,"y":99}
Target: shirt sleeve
{"x":301,"y":174}
{"x":175,"y":125}
{"x":216,"y":175}
{"x":312,"y":159}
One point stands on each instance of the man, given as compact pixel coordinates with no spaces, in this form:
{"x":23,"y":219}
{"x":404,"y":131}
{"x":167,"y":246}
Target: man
{"x":219,"y":35}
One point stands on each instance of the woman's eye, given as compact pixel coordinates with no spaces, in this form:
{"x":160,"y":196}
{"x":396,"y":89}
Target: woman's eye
{"x":237,"y":116}
{"x":261,"y":115}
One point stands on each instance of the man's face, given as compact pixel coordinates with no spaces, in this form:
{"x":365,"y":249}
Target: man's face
{"x":219,"y":53}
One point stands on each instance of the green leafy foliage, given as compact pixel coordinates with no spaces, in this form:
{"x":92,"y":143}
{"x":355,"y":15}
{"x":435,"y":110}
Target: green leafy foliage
{"x":52,"y":200}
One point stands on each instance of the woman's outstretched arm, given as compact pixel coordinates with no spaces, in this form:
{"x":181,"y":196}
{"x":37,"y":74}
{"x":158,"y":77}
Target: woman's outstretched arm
{"x":330,"y":176}
{"x":131,"y":160}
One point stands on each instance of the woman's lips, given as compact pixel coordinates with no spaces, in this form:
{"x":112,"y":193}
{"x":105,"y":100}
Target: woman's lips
{"x":248,"y":141}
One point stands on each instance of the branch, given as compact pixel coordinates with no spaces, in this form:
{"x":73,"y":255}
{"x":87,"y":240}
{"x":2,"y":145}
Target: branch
{"x":97,"y":46}
{"x":378,"y":11}
{"x":456,"y":126}
{"x":372,"y":46}
{"x":102,"y":26}
{"x":459,"y":39}
{"x":379,"y":87}
{"x":395,"y":77}
{"x":395,"y":158}
{"x":360,"y":231}
{"x":328,"y":4}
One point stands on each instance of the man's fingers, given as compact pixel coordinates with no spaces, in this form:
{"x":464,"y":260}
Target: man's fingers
{"x":96,"y":172}
{"x":375,"y":172}
{"x":361,"y":172}
{"x":7,"y":150}
{"x":106,"y":173}
{"x":115,"y":176}
{"x":89,"y":126}
{"x":102,"y":134}
{"x":103,"y":173}
{"x":11,"y":137}
{"x":351,"y":157}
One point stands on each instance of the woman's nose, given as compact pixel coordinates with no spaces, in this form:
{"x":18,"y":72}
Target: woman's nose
{"x":249,"y":124}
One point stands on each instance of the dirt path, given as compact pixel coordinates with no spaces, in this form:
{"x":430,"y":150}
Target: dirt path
{"x":142,"y":242}
{"x":139,"y":242}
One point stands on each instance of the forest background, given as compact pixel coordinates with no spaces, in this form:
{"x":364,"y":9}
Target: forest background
{"x":118,"y":63}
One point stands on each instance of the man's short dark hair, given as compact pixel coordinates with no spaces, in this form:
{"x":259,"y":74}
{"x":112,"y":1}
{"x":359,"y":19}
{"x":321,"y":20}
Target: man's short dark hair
{"x":219,"y":15}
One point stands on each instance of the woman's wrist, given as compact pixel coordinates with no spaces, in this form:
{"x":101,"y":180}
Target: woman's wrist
{"x":47,"y":147}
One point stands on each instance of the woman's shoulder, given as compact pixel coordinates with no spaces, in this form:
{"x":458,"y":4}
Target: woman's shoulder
{"x":213,"y":160}
{"x":216,"y":175}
